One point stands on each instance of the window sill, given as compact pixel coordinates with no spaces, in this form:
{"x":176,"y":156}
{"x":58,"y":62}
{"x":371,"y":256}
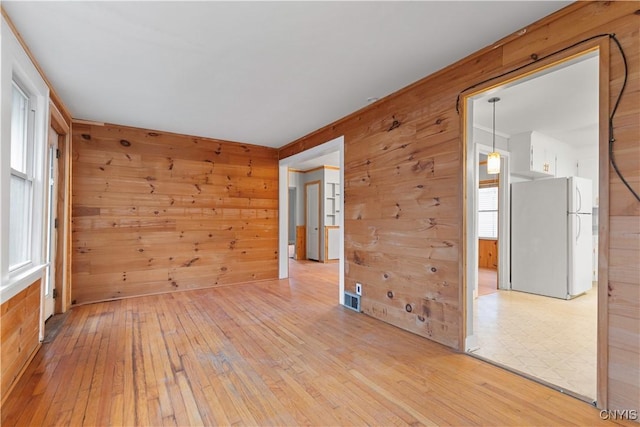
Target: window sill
{"x":20,"y":282}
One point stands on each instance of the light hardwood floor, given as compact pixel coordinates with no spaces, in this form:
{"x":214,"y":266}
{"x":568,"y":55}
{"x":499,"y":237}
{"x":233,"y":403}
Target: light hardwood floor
{"x":279,"y":352}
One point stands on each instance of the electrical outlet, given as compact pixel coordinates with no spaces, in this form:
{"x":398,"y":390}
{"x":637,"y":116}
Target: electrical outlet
{"x":359,"y":289}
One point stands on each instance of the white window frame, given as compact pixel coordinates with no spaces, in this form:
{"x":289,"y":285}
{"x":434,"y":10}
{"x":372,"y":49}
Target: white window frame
{"x":26,"y":174}
{"x":496,"y":211}
{"x":16,"y":66}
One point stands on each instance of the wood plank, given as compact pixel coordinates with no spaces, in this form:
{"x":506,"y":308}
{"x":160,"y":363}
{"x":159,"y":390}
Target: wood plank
{"x":623,"y":299}
{"x":624,"y":232}
{"x":19,"y":336}
{"x":624,"y":369}
{"x":148,"y":205}
{"x":301,"y":242}
{"x":488,"y":253}
{"x":624,"y":266}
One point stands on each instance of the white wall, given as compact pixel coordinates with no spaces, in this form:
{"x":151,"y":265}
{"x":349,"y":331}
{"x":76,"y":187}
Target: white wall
{"x":588,"y":167}
{"x":296,"y":181}
{"x":483,"y":137}
{"x":293,"y":197}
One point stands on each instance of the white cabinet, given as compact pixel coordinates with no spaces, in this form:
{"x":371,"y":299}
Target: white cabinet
{"x":333,"y":243}
{"x":533,"y":155}
{"x":332,"y":203}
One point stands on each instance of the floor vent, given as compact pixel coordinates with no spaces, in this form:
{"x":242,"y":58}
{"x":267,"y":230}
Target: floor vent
{"x":352,"y":301}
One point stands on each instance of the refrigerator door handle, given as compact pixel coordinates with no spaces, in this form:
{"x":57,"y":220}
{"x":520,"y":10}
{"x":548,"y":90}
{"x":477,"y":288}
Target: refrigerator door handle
{"x":579,"y":200}
{"x":579,"y":222}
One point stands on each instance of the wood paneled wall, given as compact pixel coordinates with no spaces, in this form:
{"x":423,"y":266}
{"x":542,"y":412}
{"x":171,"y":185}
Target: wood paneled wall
{"x":20,"y":319}
{"x":488,"y":253}
{"x":301,"y":242}
{"x":156,"y":212}
{"x":404,"y":189}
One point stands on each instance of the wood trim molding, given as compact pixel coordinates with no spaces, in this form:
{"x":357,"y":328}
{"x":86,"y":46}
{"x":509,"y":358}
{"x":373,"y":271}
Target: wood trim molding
{"x":326,"y":167}
{"x":87,"y":122}
{"x":58,"y":121}
{"x":485,"y":183}
{"x":63,"y":243}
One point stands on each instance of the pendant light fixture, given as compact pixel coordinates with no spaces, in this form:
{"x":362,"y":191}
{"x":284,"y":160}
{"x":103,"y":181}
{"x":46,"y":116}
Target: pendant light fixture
{"x":493,"y":159}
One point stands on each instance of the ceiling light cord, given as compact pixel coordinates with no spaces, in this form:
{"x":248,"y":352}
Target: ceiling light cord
{"x":613,"y":112}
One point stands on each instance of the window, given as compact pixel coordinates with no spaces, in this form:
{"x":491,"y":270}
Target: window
{"x":23,"y":129}
{"x":21,"y":193}
{"x":488,"y":213}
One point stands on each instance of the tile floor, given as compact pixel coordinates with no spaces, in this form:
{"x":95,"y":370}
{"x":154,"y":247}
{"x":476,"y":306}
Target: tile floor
{"x":548,"y":338}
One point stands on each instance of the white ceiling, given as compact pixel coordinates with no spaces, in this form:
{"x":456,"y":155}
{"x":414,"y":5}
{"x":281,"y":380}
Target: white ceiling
{"x":265,"y":73}
{"x":330,"y":159}
{"x":561,"y":102}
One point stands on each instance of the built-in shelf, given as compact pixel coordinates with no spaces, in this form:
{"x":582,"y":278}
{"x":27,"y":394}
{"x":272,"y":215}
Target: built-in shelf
{"x":332,"y":203}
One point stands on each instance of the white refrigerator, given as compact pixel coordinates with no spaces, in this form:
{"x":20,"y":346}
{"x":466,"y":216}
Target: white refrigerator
{"x":551,"y":237}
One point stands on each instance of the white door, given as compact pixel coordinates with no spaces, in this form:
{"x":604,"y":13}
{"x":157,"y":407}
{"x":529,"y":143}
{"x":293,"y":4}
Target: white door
{"x":313,"y":220}
{"x":52,"y":231}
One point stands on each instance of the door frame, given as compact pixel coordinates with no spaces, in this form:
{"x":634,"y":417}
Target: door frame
{"x":504,"y":214}
{"x":601,"y":46}
{"x":473,"y":151}
{"x":306,"y":215}
{"x":62,"y":257}
{"x":336,"y":144}
{"x":49,"y":284}
{"x":292,"y":214}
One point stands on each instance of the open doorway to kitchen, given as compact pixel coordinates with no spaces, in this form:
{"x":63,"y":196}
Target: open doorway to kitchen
{"x":539,"y":218}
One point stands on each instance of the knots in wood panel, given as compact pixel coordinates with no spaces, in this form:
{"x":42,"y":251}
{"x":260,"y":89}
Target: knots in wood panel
{"x":395,"y":124}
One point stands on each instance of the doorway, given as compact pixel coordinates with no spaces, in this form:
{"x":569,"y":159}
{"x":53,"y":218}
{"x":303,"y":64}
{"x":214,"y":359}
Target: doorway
{"x":312,"y":219}
{"x":547,"y":132}
{"x":56,"y":292}
{"x":293,"y":199}
{"x":296,"y":163}
{"x":489,"y":219}
{"x":52,"y":218}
